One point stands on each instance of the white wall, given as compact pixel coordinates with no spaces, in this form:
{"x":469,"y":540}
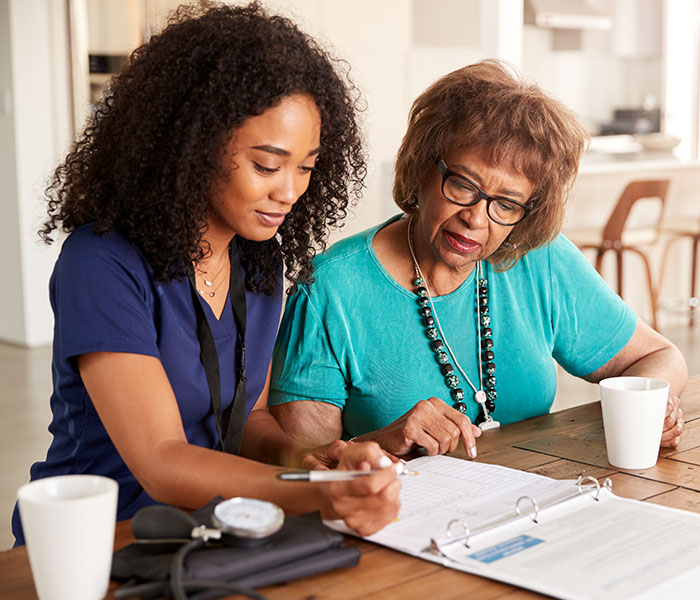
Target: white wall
{"x":375,"y":38}
{"x":11,"y":307}
{"x":113,"y":26}
{"x":682,"y":68}
{"x":396,"y":48}
{"x":33,"y":134}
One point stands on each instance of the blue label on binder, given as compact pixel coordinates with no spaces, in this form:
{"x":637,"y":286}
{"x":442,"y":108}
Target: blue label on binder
{"x":504,"y":549}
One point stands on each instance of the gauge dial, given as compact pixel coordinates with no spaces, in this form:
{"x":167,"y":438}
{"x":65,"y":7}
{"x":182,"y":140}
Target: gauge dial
{"x":248,"y":518}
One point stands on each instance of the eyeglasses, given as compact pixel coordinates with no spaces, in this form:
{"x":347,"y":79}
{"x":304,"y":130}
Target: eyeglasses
{"x":460,"y":190}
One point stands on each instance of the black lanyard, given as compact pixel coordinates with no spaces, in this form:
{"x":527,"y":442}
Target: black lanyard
{"x":233,"y":420}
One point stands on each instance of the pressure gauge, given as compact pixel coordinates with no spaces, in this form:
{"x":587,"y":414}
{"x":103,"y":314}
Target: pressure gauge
{"x":247,"y":521}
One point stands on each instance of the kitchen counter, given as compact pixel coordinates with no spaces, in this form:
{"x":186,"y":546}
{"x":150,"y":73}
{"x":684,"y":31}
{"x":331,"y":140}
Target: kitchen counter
{"x":603,"y":176}
{"x":602,"y":162}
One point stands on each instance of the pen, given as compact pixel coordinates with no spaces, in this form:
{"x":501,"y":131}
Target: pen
{"x":337,"y":475}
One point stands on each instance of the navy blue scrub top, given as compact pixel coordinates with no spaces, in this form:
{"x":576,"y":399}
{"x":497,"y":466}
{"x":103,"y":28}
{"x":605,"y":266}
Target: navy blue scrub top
{"x":104,"y":298}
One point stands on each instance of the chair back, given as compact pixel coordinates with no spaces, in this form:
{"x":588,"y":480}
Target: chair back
{"x":635,"y":190}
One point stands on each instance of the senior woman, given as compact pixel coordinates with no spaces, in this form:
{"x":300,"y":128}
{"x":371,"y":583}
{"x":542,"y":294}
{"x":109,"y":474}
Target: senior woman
{"x":451,"y":314}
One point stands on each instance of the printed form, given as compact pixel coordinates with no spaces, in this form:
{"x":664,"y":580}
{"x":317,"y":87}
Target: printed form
{"x":448,"y":489}
{"x":579,"y":548}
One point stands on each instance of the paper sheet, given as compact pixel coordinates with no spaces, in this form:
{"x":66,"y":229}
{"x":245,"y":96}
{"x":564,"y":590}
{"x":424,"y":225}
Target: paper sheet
{"x":580,"y":548}
{"x":611,"y":549}
{"x":448,"y":488}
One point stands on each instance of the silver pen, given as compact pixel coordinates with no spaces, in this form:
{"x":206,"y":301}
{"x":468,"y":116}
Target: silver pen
{"x":337,"y":475}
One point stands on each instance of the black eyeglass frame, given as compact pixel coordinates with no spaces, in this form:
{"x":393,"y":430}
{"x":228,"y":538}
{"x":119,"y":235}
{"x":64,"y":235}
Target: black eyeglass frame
{"x":446,"y":172}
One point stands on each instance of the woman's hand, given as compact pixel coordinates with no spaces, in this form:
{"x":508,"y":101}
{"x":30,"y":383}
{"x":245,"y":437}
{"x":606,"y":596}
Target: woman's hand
{"x":323,"y":457}
{"x":673,"y":424}
{"x":430,"y":424}
{"x":366,"y":504}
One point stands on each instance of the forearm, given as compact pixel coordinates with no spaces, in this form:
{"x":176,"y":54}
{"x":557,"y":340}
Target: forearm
{"x":308,"y":422}
{"x":646,"y":354}
{"x":265,"y":441}
{"x":667,"y":364}
{"x":189,"y":476}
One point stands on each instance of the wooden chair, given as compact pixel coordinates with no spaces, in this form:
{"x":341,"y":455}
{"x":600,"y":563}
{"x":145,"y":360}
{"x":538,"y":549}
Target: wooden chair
{"x":616,"y":237}
{"x":682,"y":228}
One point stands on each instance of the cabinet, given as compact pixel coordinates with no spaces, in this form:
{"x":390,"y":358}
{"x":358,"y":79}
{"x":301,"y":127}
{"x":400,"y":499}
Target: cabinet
{"x":638,"y":28}
{"x":115,"y":29}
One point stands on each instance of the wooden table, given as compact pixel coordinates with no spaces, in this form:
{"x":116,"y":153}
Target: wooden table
{"x":562,"y":445}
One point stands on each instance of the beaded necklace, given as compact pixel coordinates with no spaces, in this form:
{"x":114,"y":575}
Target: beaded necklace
{"x":486,"y":398}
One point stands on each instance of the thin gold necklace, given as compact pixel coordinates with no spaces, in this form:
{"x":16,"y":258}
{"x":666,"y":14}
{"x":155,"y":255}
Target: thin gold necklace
{"x":210,"y":282}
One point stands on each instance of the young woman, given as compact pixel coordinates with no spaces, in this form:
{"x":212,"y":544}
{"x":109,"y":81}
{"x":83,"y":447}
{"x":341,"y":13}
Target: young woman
{"x":218,"y":157}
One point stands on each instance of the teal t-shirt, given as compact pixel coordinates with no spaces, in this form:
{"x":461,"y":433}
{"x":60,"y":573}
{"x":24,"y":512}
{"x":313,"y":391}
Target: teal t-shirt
{"x":354,"y":337}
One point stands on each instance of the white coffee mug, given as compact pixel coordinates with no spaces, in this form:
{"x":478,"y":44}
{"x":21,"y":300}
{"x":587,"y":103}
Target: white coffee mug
{"x":68,"y":523}
{"x":634,"y":409}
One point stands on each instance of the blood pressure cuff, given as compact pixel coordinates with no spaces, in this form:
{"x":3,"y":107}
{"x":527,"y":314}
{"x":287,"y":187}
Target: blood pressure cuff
{"x":303,"y":546}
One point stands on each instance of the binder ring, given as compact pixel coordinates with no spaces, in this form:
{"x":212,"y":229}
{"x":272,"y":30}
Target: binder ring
{"x":465,"y":530}
{"x":594,"y":481}
{"x":535,"y":507}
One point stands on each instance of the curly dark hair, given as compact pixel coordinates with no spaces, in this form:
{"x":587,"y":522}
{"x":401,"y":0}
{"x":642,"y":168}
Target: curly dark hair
{"x":145,"y":162}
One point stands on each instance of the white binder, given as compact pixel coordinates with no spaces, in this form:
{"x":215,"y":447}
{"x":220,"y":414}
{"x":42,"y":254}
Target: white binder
{"x":568,"y":539}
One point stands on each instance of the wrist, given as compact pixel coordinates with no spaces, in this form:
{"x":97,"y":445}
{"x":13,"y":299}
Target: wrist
{"x":293,"y":454}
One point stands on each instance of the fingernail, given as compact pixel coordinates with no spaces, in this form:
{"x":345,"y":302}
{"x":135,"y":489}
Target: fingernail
{"x":385,"y":462}
{"x":472,"y":451}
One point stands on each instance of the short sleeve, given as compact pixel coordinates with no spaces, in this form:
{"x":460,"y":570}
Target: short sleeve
{"x":304,"y":364}
{"x":102,"y":297}
{"x":591,"y":323}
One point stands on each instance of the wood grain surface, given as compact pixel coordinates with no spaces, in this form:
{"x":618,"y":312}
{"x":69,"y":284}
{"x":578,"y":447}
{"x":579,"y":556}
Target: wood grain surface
{"x":562,"y":445}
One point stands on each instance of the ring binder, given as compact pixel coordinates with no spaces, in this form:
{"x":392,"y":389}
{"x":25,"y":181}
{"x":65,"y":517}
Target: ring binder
{"x":557,"y":533}
{"x":438,"y":545}
{"x":534,"y":505}
{"x":580,"y":481}
{"x":464,"y":525}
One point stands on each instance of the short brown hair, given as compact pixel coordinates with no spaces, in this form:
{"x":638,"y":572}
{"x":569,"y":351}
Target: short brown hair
{"x":487,"y":107}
